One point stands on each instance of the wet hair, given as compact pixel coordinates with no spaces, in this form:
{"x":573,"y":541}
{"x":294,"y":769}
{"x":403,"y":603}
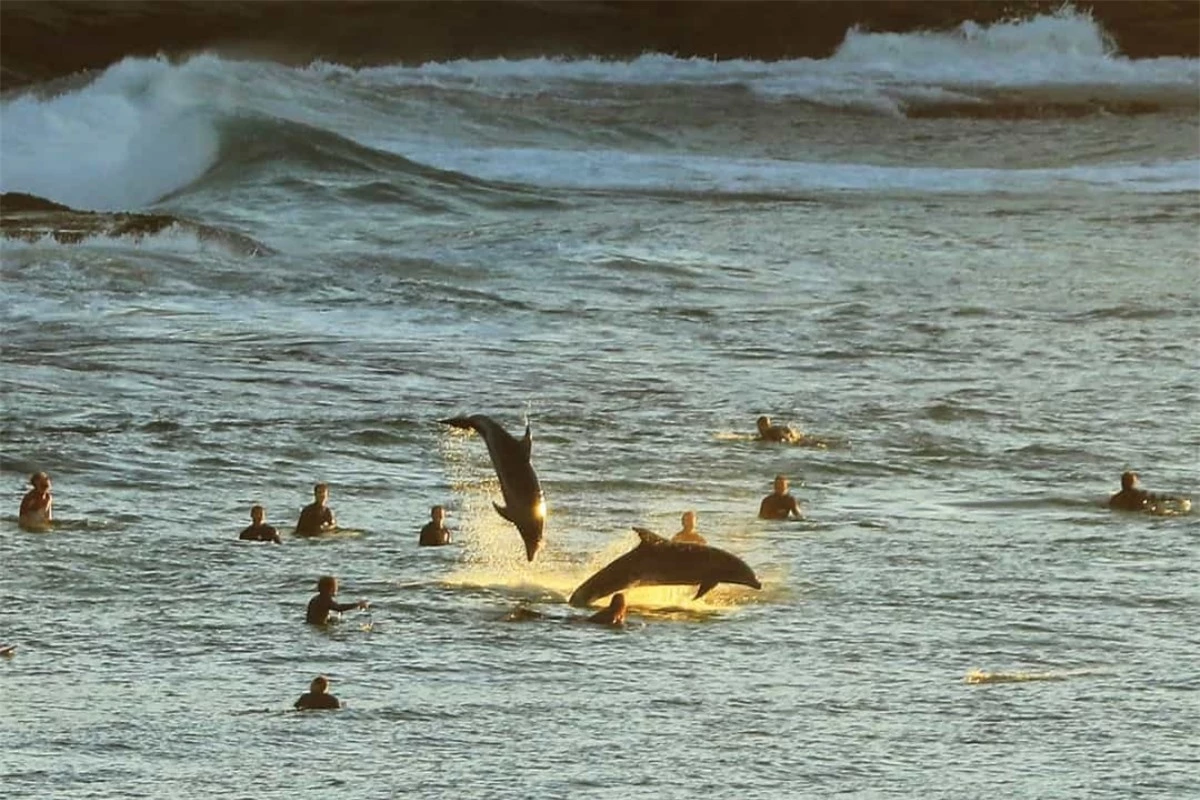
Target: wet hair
{"x":1128,"y":479}
{"x":618,"y":600}
{"x":326,"y":583}
{"x":37,"y":478}
{"x":256,"y":510}
{"x":319,"y":685}
{"x":320,"y":487}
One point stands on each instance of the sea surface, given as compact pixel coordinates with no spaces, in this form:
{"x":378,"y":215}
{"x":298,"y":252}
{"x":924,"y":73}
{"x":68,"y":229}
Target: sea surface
{"x":968,"y":262}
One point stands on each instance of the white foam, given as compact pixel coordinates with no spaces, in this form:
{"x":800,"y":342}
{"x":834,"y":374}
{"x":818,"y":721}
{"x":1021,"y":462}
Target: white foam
{"x":146,"y":127}
{"x":871,"y":71}
{"x":615,"y":170}
{"x":136,"y":133}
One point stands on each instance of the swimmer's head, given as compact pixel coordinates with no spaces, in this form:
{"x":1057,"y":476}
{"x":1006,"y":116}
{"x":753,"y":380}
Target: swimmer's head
{"x":257,"y":514}
{"x":688,"y":520}
{"x":618,"y":608}
{"x":39,"y":480}
{"x":764,"y":424}
{"x":781,"y":484}
{"x":1129,"y":479}
{"x":321,"y":492}
{"x":437,"y":514}
{"x":319,"y":685}
{"x":327,"y":584}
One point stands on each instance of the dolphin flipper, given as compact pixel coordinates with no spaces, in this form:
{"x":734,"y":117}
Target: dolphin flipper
{"x":502,"y":511}
{"x":704,"y":589}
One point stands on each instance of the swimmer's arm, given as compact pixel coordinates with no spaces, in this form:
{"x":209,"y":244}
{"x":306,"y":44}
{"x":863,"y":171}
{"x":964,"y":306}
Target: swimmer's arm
{"x":340,"y":607}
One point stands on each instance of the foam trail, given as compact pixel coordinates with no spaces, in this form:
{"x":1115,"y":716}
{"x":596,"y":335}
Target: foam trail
{"x":978,"y":676}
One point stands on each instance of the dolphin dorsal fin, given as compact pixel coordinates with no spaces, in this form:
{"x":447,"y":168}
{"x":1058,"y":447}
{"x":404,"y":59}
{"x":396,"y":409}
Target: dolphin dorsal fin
{"x":649,"y":537}
{"x":527,"y":442}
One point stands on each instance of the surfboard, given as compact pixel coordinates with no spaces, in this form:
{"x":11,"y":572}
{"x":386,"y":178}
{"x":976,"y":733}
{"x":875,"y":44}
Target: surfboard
{"x":7,"y":650}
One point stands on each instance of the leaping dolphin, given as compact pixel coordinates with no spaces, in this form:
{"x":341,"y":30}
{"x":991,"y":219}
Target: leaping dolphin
{"x":524,"y":505}
{"x":658,"y":562}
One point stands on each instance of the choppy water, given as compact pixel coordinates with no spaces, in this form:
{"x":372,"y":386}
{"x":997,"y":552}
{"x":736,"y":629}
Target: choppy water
{"x":970,"y":261}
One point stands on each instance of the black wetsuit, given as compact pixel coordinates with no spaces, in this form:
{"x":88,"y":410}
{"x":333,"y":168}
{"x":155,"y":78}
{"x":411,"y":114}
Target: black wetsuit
{"x":314,"y":518}
{"x":260,"y":533}
{"x":321,"y":606}
{"x":613,"y":615}
{"x":1129,"y":500}
{"x":433,"y":535}
{"x":778,"y":506}
{"x":1142,"y":500}
{"x":309,"y":701}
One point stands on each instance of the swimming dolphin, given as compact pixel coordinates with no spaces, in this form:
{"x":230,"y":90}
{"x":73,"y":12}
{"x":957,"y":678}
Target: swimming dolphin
{"x":658,"y":562}
{"x":524,"y":505}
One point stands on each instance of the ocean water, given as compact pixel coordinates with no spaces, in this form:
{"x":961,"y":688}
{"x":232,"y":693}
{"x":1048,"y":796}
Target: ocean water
{"x":970,"y":262}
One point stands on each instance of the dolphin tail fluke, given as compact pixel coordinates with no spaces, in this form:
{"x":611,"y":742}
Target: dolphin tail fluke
{"x":617,"y":576}
{"x":704,"y":589}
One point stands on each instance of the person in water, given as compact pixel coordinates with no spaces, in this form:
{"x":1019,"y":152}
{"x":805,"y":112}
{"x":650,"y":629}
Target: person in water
{"x":1134,"y":498}
{"x":779,"y":504}
{"x":259,"y":530}
{"x":777,"y":433}
{"x":613,"y":615}
{"x":37,"y":506}
{"x":688,"y":535}
{"x":317,"y":696}
{"x":316,"y":517}
{"x":323,"y":603}
{"x":435,"y":533}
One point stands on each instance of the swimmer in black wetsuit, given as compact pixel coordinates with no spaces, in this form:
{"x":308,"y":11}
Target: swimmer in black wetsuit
{"x":614,"y":614}
{"x":1134,"y":498}
{"x":435,"y":533}
{"x":779,"y":504}
{"x":259,"y":530}
{"x":1130,"y":498}
{"x":317,"y":696}
{"x":322,"y":604}
{"x":316,"y":517}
